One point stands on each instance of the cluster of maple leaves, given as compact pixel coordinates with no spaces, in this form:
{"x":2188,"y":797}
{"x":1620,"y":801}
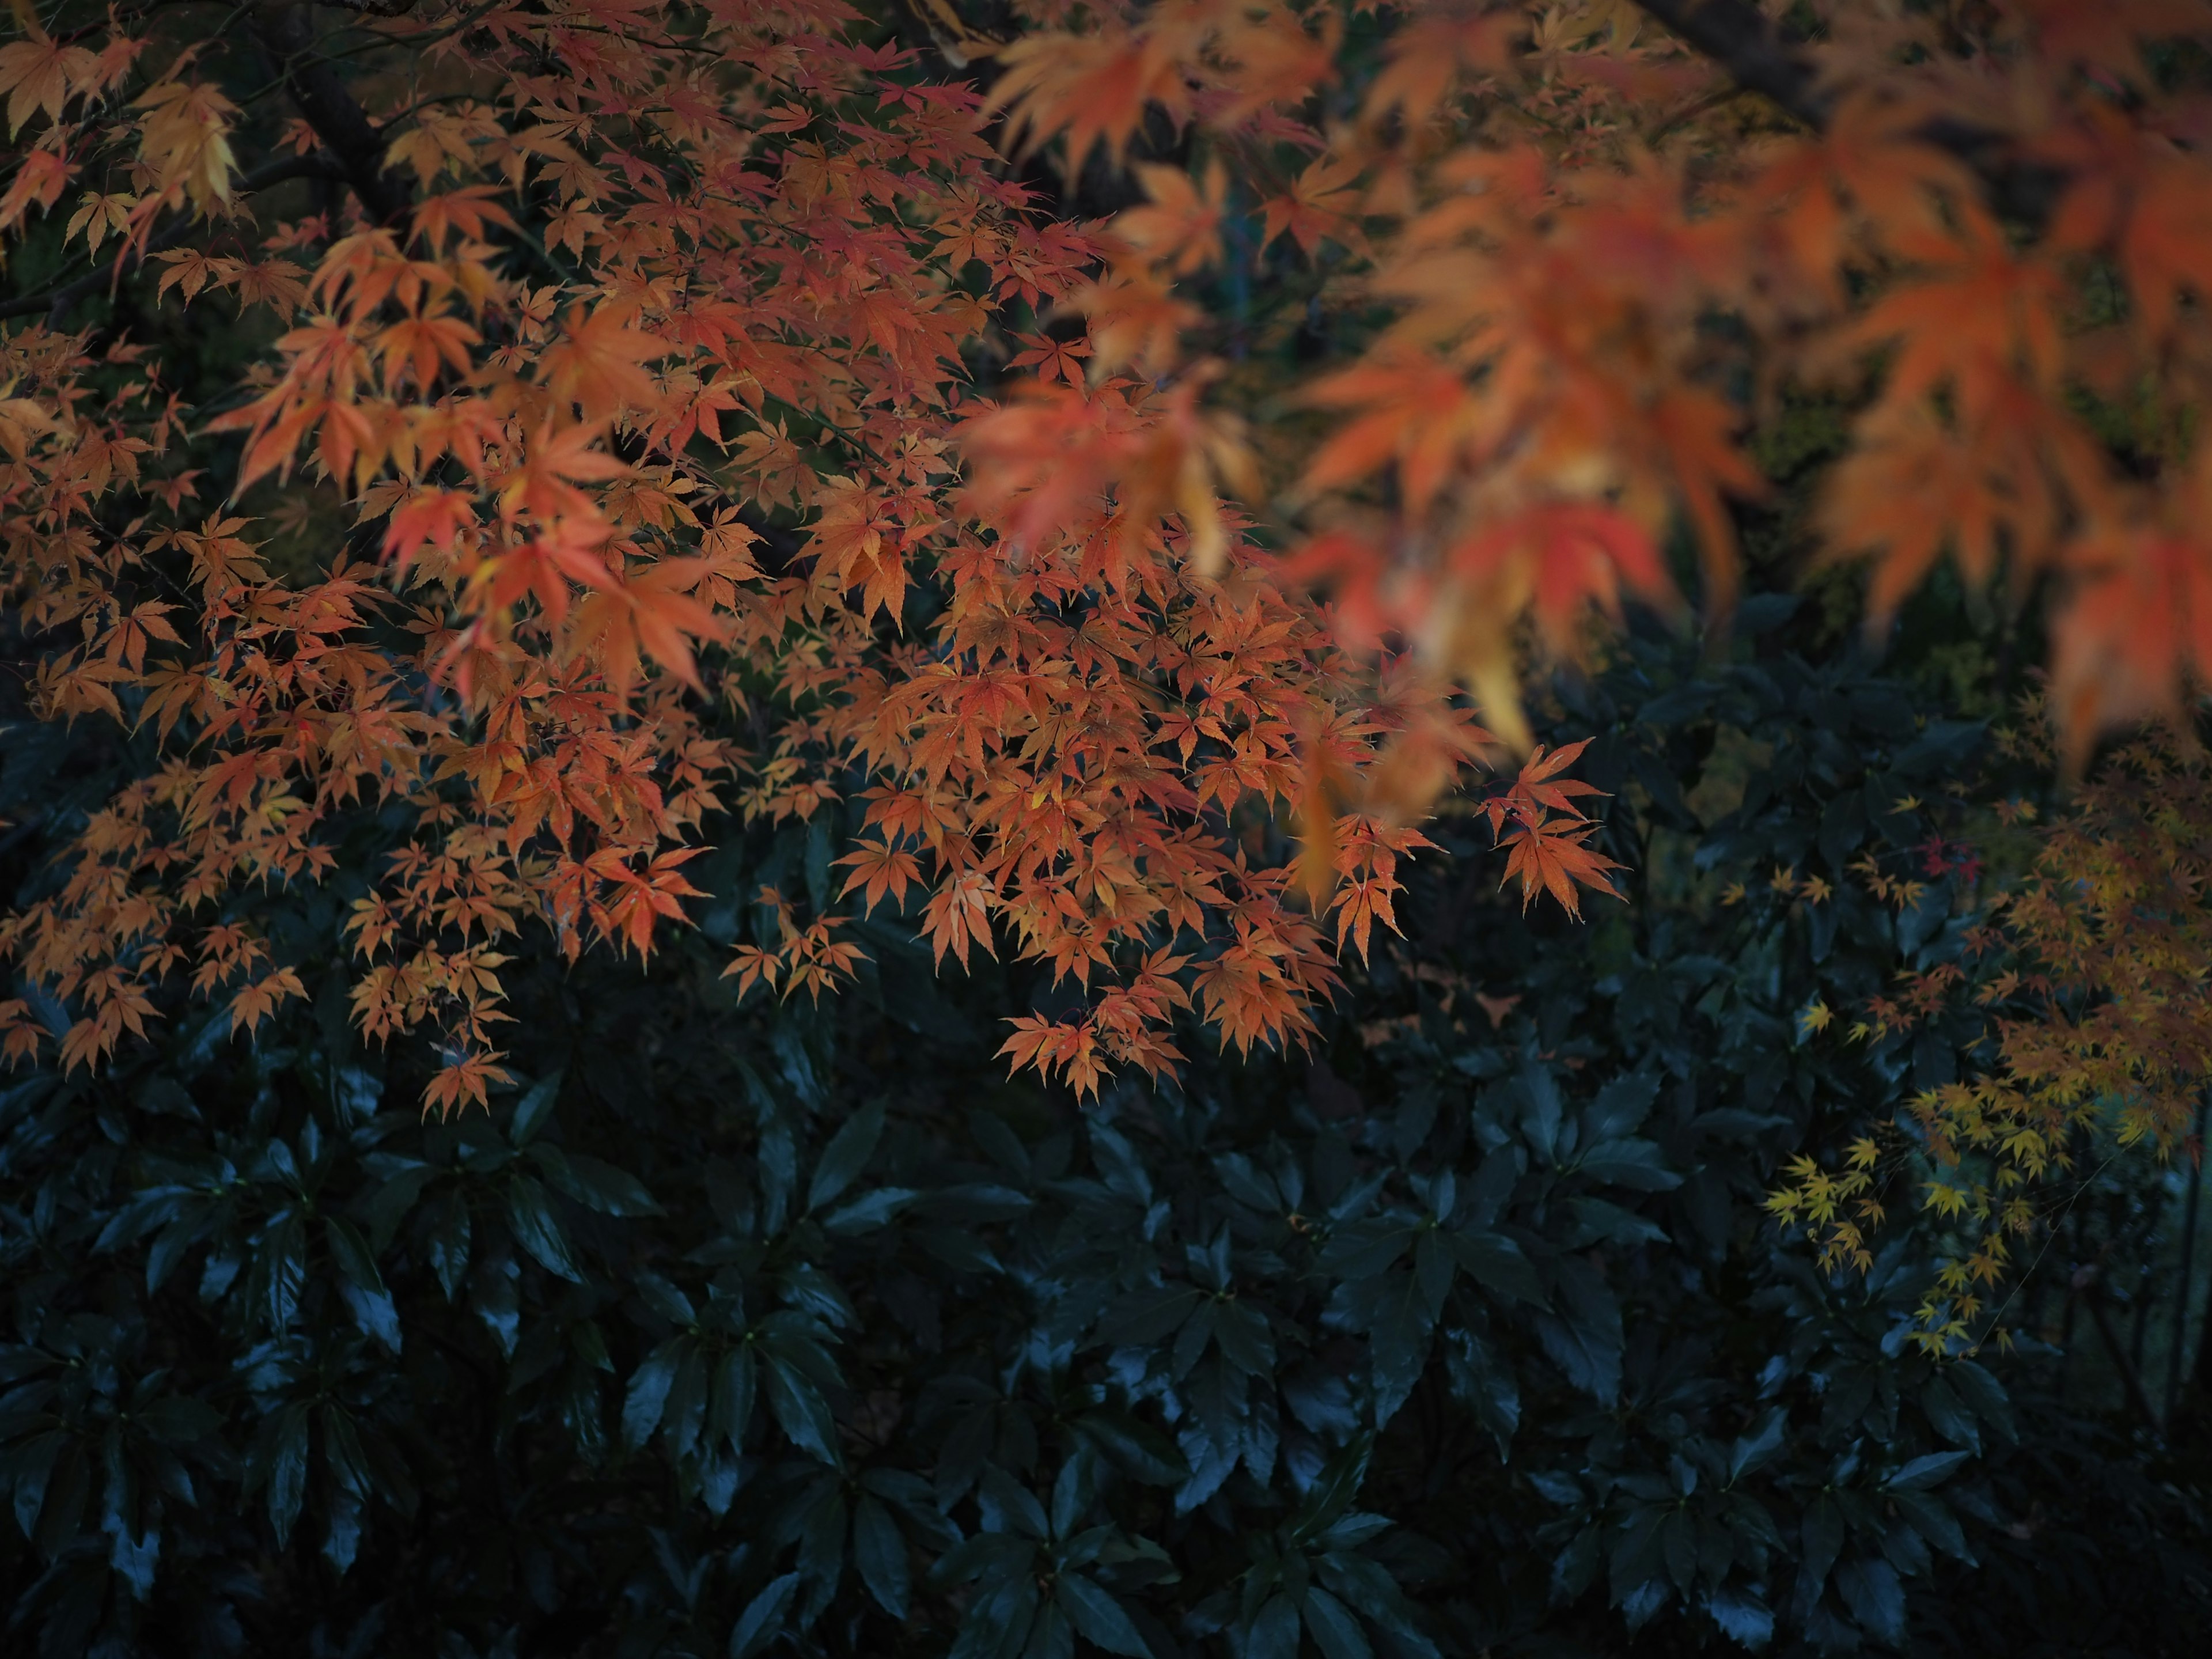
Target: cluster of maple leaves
{"x":1605,"y":251}
{"x":618,"y":286}
{"x":2090,"y":966}
{"x":572,"y":300}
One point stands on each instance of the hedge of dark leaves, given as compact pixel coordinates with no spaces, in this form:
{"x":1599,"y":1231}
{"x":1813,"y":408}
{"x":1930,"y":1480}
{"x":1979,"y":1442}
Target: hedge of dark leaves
{"x":742,"y":1329}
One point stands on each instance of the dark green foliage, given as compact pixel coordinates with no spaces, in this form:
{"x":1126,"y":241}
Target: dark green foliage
{"x":753,"y":1330}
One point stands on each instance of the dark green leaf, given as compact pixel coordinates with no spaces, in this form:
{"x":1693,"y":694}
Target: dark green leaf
{"x":1871,"y":1591}
{"x":1498,"y":1265}
{"x":1621,"y":1106}
{"x":1824,"y":1539}
{"x":287,"y":1475}
{"x":595,"y":1185}
{"x":647,"y":1396}
{"x":1098,"y":1618}
{"x":1925,"y":1472}
{"x":1931,"y":1517}
{"x":1148,"y":1317}
{"x":1984,"y":1394}
{"x":799,"y":1409}
{"x":449,"y":1243}
{"x":1139,"y":1448}
{"x":1332,"y":1626}
{"x":762,"y":1620}
{"x":729,"y":1409}
{"x":1755,"y":1449}
{"x":29,"y":1465}
{"x":371,"y":1303}
{"x":533,"y":1108}
{"x":530,"y":1216}
{"x":879,"y":1553}
{"x":1637,"y":1164}
{"x":846,"y":1156}
{"x":1948,"y":1416}
{"x":1742,"y":1617}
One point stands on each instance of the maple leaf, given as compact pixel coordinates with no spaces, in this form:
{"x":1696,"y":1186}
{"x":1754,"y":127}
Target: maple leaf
{"x":1070,"y":1049}
{"x":652,"y":612}
{"x":856,"y":540}
{"x":38,"y":182}
{"x":1094,"y":88}
{"x":1181,"y":227}
{"x":190,"y":270}
{"x":1546,"y":857}
{"x":467,"y":211}
{"x":751,"y":966}
{"x":43,"y":74}
{"x":257,"y":1001}
{"x":1433,"y":50}
{"x":1541,"y":786}
{"x":545,"y":566}
{"x":1053,"y":360}
{"x":464,"y":1080}
{"x":21,"y":1035}
{"x":1319,"y":206}
{"x":273,"y":283}
{"x":96,"y":217}
{"x":2138,"y":629}
{"x":643,"y":897}
{"x":880,"y":869}
{"x":1276,"y":61}
{"x":597,"y":365}
{"x":434,"y":519}
{"x":557,"y":460}
{"x":423,"y":344}
{"x":184,"y":138}
{"x":958,"y":914}
{"x":1359,"y":904}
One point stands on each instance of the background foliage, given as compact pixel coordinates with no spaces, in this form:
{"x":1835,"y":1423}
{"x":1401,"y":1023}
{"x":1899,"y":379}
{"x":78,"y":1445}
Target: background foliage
{"x":741,"y":1326}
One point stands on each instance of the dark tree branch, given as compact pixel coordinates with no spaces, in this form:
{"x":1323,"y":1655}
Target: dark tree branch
{"x":1760,"y":57}
{"x":56,"y":302}
{"x":288,"y":34}
{"x":1757,"y":56}
{"x":2187,"y":1265}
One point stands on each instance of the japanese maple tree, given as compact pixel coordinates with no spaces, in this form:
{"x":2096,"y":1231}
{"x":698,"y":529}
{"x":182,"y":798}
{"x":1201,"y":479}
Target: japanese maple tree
{"x":604,"y":380}
{"x":607,"y":455}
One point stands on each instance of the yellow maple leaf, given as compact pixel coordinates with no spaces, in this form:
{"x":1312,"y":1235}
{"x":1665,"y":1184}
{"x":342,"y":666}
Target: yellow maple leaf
{"x":41,"y":73}
{"x":184,"y":139}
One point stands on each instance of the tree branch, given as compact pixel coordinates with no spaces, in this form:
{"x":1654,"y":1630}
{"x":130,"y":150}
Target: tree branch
{"x":56,"y":301}
{"x":1757,"y":55}
{"x":1760,"y":57}
{"x":288,"y":34}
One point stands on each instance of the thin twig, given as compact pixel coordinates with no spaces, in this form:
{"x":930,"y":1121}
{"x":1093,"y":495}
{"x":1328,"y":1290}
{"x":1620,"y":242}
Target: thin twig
{"x":2090,"y":1284}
